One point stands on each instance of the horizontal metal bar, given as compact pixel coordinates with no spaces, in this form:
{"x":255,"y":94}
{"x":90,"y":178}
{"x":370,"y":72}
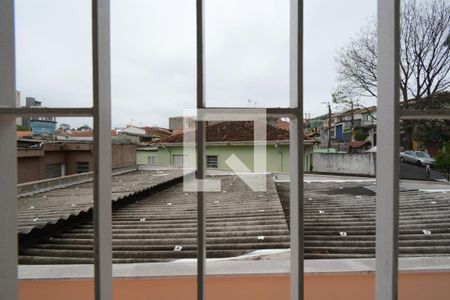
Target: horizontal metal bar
{"x":424,"y":114}
{"x":46,"y":111}
{"x":271,"y":111}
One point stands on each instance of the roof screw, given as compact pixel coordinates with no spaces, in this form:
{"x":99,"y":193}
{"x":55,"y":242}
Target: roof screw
{"x":433,"y":202}
{"x":177,"y":248}
{"x":358,"y":196}
{"x":426,"y":232}
{"x":31,"y":207}
{"x":73,"y":205}
{"x":260,"y":238}
{"x":310,"y":198}
{"x":169,"y":203}
{"x":35,"y":219}
{"x":343,"y":233}
{"x":142,"y":219}
{"x":216,"y":201}
{"x":321,"y":211}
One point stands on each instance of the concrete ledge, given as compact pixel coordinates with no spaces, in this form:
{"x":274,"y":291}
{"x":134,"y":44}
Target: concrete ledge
{"x":231,"y":268}
{"x":29,"y":188}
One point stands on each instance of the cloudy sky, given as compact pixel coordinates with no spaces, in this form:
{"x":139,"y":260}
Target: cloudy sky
{"x":153,"y":54}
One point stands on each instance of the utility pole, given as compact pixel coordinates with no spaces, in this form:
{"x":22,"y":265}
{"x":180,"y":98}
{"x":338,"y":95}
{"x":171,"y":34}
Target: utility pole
{"x":353,"y":120}
{"x":329,"y":125}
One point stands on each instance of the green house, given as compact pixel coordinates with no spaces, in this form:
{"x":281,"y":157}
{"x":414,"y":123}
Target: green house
{"x":224,"y":141}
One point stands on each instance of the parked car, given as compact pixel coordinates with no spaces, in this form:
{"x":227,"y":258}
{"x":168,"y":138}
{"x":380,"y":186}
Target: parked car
{"x":419,"y":158}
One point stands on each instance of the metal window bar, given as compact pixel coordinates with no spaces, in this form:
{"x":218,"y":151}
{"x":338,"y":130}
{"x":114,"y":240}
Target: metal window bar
{"x":102,"y":149}
{"x":200,"y":146}
{"x":295,"y":112}
{"x":101,"y":112}
{"x":8,"y":168}
{"x":386,"y":277}
{"x":296,"y":151}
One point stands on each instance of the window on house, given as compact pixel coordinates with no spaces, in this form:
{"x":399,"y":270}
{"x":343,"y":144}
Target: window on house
{"x":82,"y":166}
{"x":177,"y":161}
{"x":53,"y":170}
{"x":152,"y":160}
{"x":211,"y":161}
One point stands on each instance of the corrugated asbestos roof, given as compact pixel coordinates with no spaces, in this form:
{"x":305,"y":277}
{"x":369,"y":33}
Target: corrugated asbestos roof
{"x":163,"y":226}
{"x":340,"y":221}
{"x":39,"y":210}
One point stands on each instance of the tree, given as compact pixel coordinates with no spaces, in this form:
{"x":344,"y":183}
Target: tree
{"x":360,"y":136}
{"x":425,"y":61}
{"x":443,"y":158}
{"x":21,"y":128}
{"x":425,"y":55}
{"x":432,"y":133}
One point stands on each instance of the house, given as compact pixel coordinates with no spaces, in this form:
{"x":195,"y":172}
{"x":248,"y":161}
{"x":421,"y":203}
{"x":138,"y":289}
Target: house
{"x":181,"y":122}
{"x":343,"y":128}
{"x":31,"y":102}
{"x":142,"y":135}
{"x":224,"y":139}
{"x":40,"y":159}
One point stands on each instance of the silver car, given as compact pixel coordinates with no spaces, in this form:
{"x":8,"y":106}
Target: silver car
{"x":419,"y":158}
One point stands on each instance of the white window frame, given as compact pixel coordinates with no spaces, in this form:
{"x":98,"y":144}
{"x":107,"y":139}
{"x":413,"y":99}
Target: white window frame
{"x":152,"y":160}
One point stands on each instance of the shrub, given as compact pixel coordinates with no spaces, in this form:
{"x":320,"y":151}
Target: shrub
{"x":443,"y":158}
{"x":360,"y":136}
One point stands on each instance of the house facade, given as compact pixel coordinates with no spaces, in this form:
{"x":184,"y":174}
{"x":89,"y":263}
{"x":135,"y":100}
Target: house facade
{"x":37,"y":160}
{"x":224,"y":140}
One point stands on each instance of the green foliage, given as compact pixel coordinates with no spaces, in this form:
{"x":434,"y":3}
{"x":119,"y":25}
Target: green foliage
{"x":21,"y":128}
{"x":360,"y":136}
{"x":443,"y":158}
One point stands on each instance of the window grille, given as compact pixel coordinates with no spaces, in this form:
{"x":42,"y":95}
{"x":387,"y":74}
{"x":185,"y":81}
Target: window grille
{"x":211,"y":161}
{"x":82,"y":166}
{"x":389,"y":114}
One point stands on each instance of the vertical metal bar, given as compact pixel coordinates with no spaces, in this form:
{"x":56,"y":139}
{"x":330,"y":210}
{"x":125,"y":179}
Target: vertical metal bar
{"x":388,"y":146}
{"x":296,"y":150}
{"x":102,"y":148}
{"x":8,"y":154}
{"x":200,"y":145}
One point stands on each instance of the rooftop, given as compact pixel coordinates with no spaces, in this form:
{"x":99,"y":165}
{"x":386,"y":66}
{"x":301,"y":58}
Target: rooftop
{"x":237,"y":131}
{"x":159,"y":224}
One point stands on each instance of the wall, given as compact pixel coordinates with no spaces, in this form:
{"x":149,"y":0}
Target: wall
{"x":412,"y":286}
{"x":277,"y":157}
{"x":32,"y":164}
{"x":343,"y":163}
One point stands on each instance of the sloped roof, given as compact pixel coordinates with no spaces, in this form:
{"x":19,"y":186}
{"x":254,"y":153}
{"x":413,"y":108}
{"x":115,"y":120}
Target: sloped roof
{"x":81,"y":133}
{"x":150,"y":228}
{"x":339,"y":220}
{"x":157,"y":131}
{"x":358,"y":144}
{"x":22,"y":134}
{"x":241,"y":131}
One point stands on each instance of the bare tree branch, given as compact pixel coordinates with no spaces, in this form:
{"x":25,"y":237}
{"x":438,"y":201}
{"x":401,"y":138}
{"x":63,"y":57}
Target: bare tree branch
{"x":425,"y":53}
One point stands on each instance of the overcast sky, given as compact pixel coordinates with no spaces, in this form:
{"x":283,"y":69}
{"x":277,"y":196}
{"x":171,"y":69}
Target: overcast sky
{"x":153,"y":54}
